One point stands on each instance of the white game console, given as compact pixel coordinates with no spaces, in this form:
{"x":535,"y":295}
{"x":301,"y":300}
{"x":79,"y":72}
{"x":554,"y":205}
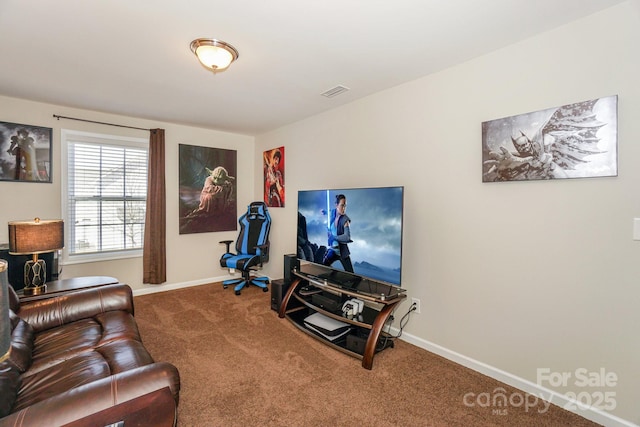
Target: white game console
{"x":352,"y":309}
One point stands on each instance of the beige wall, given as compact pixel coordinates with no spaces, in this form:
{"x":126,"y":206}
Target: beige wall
{"x":191,"y":258}
{"x":513,"y":276}
{"x":520,"y":275}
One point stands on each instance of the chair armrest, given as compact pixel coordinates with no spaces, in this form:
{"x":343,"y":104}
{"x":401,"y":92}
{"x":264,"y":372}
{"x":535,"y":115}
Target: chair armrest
{"x":72,"y":306}
{"x":264,"y":255}
{"x":228,"y":243}
{"x":147,"y":395}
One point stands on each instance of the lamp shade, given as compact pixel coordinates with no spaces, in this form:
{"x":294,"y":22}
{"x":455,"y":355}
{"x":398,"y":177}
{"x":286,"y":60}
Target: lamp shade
{"x":35,"y":237}
{"x":5,"y":324}
{"x":215,"y":55}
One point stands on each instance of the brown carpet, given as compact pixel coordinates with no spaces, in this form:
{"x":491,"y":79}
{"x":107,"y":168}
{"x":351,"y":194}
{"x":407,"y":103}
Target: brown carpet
{"x":241,"y":365}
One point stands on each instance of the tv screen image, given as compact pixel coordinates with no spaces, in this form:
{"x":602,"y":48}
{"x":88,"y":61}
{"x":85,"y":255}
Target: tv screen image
{"x":375,"y":224}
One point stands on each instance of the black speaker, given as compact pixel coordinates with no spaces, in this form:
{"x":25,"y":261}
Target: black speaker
{"x":278,"y":289}
{"x":290,"y":262}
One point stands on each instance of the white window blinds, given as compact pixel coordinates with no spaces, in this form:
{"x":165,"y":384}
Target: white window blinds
{"x":106,"y":194}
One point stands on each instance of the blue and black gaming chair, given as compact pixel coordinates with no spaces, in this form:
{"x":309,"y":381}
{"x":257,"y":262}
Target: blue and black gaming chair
{"x":252,"y":248}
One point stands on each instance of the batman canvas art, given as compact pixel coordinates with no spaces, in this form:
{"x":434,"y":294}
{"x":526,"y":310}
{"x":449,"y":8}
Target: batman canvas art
{"x":572,"y":141}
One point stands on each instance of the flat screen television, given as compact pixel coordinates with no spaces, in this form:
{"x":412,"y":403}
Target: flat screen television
{"x":375,"y":228}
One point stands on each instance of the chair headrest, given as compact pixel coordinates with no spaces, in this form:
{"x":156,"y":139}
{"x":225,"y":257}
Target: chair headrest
{"x":257,"y":209}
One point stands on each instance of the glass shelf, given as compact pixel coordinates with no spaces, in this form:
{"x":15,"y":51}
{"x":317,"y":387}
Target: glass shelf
{"x":348,"y":283}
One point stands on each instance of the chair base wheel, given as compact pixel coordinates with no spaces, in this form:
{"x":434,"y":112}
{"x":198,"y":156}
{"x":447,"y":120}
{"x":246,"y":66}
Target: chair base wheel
{"x":265,"y":289}
{"x":237,"y":292}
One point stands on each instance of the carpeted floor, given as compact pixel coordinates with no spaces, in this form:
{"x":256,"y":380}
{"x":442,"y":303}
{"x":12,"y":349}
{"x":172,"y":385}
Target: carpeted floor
{"x":241,"y":365}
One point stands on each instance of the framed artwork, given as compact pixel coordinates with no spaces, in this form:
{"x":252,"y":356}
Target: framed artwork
{"x":25,"y":153}
{"x":274,"y":177}
{"x":208,"y":189}
{"x":572,"y":141}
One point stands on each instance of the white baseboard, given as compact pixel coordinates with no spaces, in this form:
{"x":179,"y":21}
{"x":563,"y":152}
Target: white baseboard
{"x":152,"y":289}
{"x":594,"y":414}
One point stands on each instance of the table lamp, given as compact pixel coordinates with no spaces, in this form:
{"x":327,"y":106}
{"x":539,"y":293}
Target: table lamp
{"x":33,"y":238}
{"x":5,"y":324}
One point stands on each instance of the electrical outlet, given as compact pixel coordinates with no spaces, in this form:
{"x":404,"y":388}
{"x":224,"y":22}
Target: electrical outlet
{"x":416,"y":302}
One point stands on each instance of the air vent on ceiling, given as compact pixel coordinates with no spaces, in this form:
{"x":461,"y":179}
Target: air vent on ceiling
{"x":335,"y":91}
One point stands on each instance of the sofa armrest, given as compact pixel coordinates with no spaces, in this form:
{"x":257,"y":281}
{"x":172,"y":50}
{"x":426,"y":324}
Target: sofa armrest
{"x":147,"y":395}
{"x":72,"y":306}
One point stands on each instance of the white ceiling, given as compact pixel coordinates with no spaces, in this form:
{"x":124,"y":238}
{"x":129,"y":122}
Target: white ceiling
{"x":132,"y":57}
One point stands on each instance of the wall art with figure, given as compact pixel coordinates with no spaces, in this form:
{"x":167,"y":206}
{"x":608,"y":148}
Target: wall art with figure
{"x":274,"y":177}
{"x":208,"y":189}
{"x":25,"y":153}
{"x":572,"y":141}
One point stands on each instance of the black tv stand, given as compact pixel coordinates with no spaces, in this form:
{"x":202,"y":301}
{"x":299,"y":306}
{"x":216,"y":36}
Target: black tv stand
{"x":379,"y":299}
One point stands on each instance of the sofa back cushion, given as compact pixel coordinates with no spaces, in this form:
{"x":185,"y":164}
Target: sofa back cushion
{"x":18,"y":362}
{"x":22,"y":337}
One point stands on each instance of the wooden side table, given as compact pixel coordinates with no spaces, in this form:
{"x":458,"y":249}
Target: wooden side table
{"x":58,"y":287}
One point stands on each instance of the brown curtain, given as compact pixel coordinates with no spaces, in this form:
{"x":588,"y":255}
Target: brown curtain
{"x":154,"y":257}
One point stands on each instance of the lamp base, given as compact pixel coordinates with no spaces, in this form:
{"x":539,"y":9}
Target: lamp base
{"x":35,"y":290}
{"x":35,"y":277}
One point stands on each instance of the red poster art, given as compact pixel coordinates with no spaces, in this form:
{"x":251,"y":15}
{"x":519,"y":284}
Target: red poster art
{"x":274,"y":177}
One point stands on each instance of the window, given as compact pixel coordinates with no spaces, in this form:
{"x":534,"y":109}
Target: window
{"x":106,"y":194}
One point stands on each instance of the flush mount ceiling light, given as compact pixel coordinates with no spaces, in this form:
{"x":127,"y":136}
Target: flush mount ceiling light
{"x":215,"y":55}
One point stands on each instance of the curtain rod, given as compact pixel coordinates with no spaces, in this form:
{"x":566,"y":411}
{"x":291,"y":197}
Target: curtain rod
{"x":100,"y":123}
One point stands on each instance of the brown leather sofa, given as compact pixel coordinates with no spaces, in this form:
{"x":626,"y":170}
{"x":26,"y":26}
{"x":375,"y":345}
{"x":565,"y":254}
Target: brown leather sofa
{"x":78,"y":360}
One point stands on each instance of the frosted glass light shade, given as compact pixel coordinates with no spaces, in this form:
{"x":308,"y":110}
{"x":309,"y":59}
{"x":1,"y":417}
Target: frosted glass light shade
{"x":214,"y":54}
